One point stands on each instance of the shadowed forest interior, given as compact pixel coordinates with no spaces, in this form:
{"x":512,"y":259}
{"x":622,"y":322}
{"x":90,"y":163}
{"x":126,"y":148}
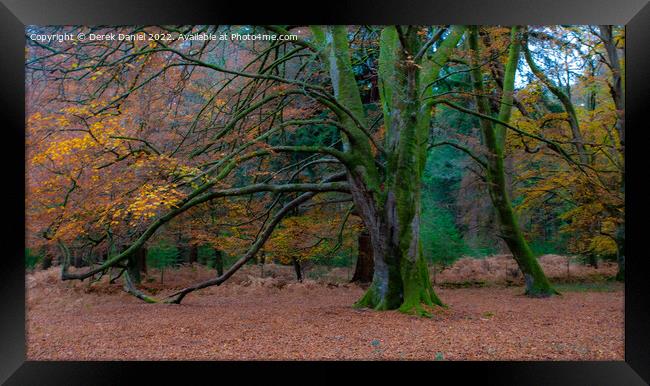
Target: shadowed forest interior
{"x":442,"y":172}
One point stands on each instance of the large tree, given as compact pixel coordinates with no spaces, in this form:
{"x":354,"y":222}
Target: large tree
{"x":387,"y":195}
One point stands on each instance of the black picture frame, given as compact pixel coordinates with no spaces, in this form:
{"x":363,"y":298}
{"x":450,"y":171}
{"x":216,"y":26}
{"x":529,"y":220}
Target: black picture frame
{"x":15,"y":14}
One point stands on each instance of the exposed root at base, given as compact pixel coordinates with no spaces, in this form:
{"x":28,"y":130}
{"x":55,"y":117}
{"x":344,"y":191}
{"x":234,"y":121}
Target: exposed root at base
{"x":541,"y":294}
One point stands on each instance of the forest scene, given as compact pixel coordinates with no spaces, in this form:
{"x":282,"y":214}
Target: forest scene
{"x":446,"y":192}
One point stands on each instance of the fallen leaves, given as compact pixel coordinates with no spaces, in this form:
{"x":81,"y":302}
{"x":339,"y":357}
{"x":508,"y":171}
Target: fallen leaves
{"x":240,"y":321}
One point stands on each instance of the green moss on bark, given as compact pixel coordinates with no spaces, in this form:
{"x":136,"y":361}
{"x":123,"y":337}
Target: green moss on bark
{"x":401,"y":280}
{"x":418,"y":291}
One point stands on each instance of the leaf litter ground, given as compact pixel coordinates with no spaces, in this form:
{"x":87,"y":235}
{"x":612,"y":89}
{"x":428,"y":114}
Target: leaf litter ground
{"x":273,"y":317}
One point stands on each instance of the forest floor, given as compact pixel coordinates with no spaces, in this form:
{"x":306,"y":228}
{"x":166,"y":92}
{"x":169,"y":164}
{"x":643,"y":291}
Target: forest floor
{"x":252,"y":317}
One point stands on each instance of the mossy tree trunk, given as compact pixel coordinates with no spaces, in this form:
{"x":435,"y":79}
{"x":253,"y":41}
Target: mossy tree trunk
{"x":537,"y":285}
{"x":389,"y":202}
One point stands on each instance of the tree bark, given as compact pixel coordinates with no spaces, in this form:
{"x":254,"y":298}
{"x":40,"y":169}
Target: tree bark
{"x":183,"y":253}
{"x":77,"y":259}
{"x":365,"y":266}
{"x":136,"y":264}
{"x":193,"y":255}
{"x":620,"y":252}
{"x":617,"y":87}
{"x":132,"y":268}
{"x":143,"y":260}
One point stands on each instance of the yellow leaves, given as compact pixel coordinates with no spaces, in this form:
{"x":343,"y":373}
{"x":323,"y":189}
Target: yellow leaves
{"x":58,"y":151}
{"x":313,"y":234}
{"x":71,"y":142}
{"x":96,"y":75}
{"x":602,"y":245}
{"x":151,"y":199}
{"x":36,"y":116}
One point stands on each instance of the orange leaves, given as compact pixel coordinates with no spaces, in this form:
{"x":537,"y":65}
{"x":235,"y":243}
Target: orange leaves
{"x":282,"y":89}
{"x":379,"y":136}
{"x":218,"y":102}
{"x":99,"y":168}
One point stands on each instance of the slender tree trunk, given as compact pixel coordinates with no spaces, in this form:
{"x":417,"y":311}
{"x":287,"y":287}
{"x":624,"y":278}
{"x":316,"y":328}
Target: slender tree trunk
{"x":218,"y":261}
{"x":297,"y":268}
{"x":565,"y":100}
{"x":193,"y":255}
{"x":203,"y":260}
{"x":620,"y":252}
{"x":262,"y":260}
{"x":617,"y":87}
{"x":132,"y":268}
{"x":537,"y":285}
{"x":143,"y":260}
{"x":617,"y":91}
{"x":78,"y":259}
{"x":365,"y":265}
{"x":47,"y":259}
{"x":183,"y":253}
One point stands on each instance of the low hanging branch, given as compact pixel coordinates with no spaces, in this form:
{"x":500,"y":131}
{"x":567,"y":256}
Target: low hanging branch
{"x":198,"y":199}
{"x":177,"y":297}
